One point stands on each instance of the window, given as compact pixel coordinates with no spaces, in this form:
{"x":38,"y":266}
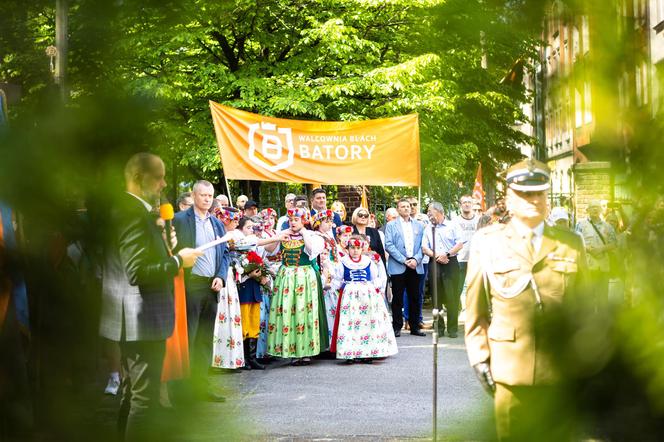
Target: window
{"x":588,"y":112}
{"x":585,"y":38}
{"x":576,"y":47}
{"x":578,"y":107}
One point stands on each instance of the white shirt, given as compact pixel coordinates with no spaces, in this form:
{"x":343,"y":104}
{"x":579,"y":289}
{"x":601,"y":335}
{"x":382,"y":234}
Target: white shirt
{"x":408,"y":236}
{"x":468,"y":228}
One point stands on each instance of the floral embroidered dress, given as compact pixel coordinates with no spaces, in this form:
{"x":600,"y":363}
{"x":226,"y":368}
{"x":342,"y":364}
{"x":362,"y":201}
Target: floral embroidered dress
{"x":227,"y":348}
{"x":295,"y":326}
{"x":364,"y":328}
{"x":328,"y":260}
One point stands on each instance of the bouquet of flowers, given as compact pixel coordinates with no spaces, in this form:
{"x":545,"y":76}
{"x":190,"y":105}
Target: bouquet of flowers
{"x":251,"y":261}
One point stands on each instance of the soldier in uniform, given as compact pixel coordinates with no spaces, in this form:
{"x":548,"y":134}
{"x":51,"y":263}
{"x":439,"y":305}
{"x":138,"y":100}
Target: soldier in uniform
{"x":517,"y":272}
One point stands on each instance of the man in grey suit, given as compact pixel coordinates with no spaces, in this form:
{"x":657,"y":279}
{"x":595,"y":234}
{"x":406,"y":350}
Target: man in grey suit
{"x":138,"y":307}
{"x":403,"y":243}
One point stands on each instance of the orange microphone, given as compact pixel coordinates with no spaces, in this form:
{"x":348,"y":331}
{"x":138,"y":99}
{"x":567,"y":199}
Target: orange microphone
{"x":167,"y":213}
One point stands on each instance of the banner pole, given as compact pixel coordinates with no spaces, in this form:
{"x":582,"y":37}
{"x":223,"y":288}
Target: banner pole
{"x":436,"y":314}
{"x":228,"y":191}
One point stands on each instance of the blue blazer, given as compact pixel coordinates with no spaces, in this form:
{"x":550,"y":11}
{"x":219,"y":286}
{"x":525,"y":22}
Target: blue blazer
{"x":396,"y":247}
{"x":185,"y":228}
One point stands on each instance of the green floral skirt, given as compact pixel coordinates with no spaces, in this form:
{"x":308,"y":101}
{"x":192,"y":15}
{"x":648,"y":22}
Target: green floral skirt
{"x":293,"y":325}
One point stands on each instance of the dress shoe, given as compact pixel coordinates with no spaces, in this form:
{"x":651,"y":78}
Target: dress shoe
{"x":452,"y":334}
{"x":214,"y":397}
{"x":397,"y":333}
{"x":417,"y":333}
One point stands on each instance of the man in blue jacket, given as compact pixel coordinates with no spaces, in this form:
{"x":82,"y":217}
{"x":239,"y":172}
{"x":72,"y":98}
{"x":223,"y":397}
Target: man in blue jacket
{"x":403,"y":242}
{"x":195,"y":227}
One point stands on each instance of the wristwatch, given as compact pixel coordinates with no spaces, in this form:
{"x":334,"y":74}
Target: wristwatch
{"x":448,"y":255}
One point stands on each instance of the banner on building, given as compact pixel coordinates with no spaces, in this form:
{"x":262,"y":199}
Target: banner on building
{"x":384,"y":152}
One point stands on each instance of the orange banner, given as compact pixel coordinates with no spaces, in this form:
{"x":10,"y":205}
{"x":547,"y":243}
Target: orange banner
{"x":384,"y":152}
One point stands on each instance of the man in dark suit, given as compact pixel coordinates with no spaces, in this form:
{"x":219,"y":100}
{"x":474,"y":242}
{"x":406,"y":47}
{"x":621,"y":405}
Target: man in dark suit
{"x":195,"y":227}
{"x":319,"y":204}
{"x":138,"y":293}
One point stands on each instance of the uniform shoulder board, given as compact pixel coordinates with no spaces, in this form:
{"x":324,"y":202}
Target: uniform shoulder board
{"x":566,"y":236}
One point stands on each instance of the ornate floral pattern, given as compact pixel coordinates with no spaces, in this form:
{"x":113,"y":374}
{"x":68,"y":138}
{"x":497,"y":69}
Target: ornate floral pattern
{"x":228,"y":351}
{"x":293,"y":329}
{"x":365,"y":327}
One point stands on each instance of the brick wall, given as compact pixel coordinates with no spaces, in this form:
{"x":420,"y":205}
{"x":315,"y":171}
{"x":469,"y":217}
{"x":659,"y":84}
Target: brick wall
{"x":591,"y":181}
{"x":351,"y":197}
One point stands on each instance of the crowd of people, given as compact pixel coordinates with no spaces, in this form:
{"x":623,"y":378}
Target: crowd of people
{"x":314,"y":282}
{"x":239,"y":286}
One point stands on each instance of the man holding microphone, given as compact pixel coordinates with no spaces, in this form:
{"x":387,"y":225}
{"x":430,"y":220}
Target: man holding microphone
{"x":138,"y":309}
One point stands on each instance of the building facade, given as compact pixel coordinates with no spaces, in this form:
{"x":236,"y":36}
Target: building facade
{"x":599,"y":76}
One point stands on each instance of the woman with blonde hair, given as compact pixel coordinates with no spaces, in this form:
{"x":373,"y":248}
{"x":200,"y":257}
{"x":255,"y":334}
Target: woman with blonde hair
{"x":339,"y":208}
{"x":360,"y":220}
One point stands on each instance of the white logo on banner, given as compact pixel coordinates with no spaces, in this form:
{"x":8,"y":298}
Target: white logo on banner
{"x":276,"y":147}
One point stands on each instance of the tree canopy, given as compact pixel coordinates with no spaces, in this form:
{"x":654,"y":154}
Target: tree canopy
{"x":306,"y":59}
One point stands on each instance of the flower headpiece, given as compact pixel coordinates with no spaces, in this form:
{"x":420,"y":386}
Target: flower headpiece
{"x":299,"y":212}
{"x":344,"y":229}
{"x":354,"y":242}
{"x":227,"y":213}
{"x":320,"y":216}
{"x":267,"y":213}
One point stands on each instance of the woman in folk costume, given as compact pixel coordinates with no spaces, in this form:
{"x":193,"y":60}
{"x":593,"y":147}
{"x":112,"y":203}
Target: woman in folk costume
{"x":252,"y":275}
{"x":273,"y":260}
{"x":363,"y":329}
{"x":343,"y":235}
{"x":228,"y":351}
{"x":323,"y":223}
{"x":380,"y":266}
{"x":297,"y":327}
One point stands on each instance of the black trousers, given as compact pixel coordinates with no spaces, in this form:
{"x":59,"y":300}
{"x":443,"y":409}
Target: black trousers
{"x":448,"y":293}
{"x":409,"y":281}
{"x":201,"y":313}
{"x":140,"y":417}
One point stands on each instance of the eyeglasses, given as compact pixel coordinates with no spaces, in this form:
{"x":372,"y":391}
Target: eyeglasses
{"x":466,"y":202}
{"x":363,"y":215}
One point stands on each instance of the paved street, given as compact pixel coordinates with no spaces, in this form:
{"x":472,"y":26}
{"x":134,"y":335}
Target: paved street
{"x":329,"y":400}
{"x":390,"y":399}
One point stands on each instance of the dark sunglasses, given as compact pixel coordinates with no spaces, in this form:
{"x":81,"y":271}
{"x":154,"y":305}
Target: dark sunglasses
{"x":363,"y":215}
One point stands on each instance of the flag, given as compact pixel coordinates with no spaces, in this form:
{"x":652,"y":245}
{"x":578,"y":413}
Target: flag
{"x":176,"y":358}
{"x":364,"y":202}
{"x":478,"y":190}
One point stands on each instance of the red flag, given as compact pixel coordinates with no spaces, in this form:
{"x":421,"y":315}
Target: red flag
{"x":478,"y":190}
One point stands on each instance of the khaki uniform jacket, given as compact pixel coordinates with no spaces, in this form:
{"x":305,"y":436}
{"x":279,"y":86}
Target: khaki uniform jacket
{"x":504,"y":335}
